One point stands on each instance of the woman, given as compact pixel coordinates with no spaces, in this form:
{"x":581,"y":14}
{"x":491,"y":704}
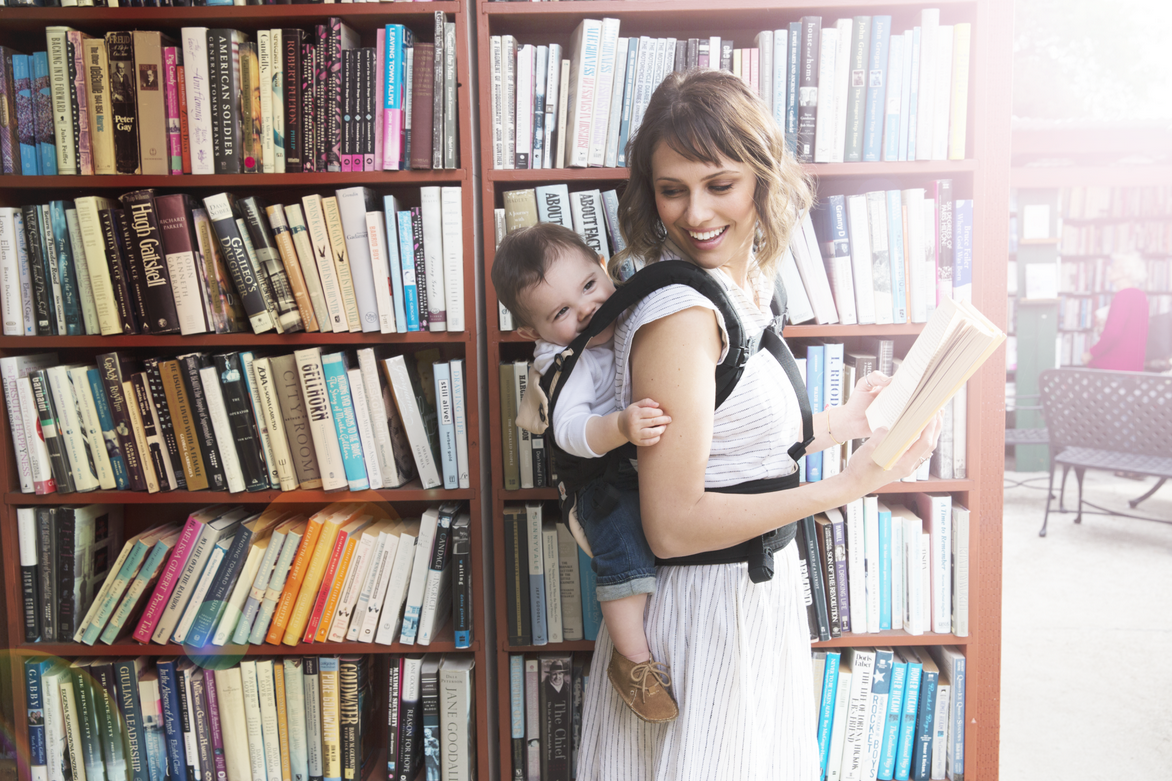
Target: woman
{"x":1124,"y":340}
{"x":711,"y":182}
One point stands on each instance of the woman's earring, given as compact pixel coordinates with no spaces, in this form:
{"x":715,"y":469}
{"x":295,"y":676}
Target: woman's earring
{"x":658,"y":229}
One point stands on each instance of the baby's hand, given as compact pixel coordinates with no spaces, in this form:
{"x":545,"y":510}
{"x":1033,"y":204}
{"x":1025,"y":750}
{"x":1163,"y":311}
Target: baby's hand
{"x":643,"y":423}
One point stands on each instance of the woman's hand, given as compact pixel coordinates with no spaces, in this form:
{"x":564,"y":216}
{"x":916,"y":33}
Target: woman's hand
{"x":850,"y":420}
{"x":870,"y":477}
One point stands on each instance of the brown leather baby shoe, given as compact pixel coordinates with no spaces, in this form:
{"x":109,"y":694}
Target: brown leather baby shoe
{"x":644,"y":686}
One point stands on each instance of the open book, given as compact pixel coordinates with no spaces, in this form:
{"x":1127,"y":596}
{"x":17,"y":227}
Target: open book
{"x":952,"y":346}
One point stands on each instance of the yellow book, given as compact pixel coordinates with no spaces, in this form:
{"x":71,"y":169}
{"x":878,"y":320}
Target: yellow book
{"x":282,"y":721}
{"x":296,"y":576}
{"x":314,"y":574}
{"x":331,"y":732}
{"x":961,"y":43}
{"x":338,"y":580}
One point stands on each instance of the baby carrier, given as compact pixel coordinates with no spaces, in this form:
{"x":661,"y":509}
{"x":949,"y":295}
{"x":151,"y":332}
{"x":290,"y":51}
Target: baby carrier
{"x":571,"y":473}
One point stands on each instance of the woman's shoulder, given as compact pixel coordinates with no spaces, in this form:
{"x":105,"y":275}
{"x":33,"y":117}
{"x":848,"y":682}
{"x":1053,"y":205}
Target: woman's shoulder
{"x":665,"y":302}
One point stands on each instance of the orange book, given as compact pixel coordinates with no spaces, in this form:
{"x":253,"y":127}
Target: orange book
{"x":314,"y":574}
{"x":282,"y":720}
{"x":331,"y":590}
{"x":296,"y":576}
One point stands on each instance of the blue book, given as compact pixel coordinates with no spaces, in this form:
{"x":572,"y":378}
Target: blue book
{"x":962,"y":251}
{"x":172,"y":719}
{"x":894,"y":717}
{"x":407,"y":263}
{"x":109,"y":433}
{"x":334,"y":368}
{"x":517,"y":696}
{"x":46,"y":150}
{"x":216,"y":601}
{"x":895,"y":247}
{"x":629,"y":97}
{"x":591,"y":609}
{"x":815,"y":381}
{"x":921,"y":769}
{"x":876,"y":88}
{"x":826,"y":711}
{"x":791,"y":90}
{"x":390,"y":209}
{"x":22,"y":77}
{"x":537,"y":610}
{"x":447,"y":423}
{"x":907,"y":724}
{"x":65,"y":268}
{"x":34,"y":670}
{"x":913,"y":101}
{"x":884,"y":568}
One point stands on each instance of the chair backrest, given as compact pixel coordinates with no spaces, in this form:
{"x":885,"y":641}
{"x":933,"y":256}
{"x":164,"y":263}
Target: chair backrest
{"x":1130,"y":412}
{"x":1159,"y":336}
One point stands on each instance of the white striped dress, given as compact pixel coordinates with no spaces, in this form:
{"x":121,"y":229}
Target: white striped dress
{"x":739,"y":652}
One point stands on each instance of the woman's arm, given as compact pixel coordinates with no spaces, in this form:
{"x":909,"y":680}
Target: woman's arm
{"x":674,"y":361}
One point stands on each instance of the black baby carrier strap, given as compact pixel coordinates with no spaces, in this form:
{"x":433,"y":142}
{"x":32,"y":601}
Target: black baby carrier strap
{"x":572,"y":473}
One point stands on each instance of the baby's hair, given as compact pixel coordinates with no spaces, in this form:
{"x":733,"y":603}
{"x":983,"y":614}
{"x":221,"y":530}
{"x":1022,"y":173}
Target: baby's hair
{"x":524,"y":256}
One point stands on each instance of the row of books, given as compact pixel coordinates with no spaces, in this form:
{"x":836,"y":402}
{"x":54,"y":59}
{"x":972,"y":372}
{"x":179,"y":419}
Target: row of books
{"x":228,"y":576}
{"x":891,"y":713}
{"x":1071,"y":346}
{"x":161,"y":264}
{"x":545,"y":714}
{"x":1092,"y":202}
{"x":872,"y":566}
{"x":549,"y":581}
{"x":135,"y":719}
{"x":237,"y":422}
{"x":289,"y":101}
{"x":854,"y":92}
{"x":1153,"y":237}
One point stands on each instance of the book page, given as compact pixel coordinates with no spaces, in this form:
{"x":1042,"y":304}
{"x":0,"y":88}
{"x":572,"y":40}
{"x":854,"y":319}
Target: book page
{"x":890,"y":403}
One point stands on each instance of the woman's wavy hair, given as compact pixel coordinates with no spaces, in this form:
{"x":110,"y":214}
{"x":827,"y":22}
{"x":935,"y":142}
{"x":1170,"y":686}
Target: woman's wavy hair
{"x":708,"y":116}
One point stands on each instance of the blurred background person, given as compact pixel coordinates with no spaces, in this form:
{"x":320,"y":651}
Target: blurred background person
{"x":1124,"y":337}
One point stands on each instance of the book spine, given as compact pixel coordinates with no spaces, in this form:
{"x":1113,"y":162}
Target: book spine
{"x":171,"y":66}
{"x":270,"y":265}
{"x":352,"y":204}
{"x":302,"y":275}
{"x":29,"y":576}
{"x":172,"y":719}
{"x":332,"y":103}
{"x":337,"y":384}
{"x":215,"y":731}
{"x":341,"y":260}
{"x":269,"y":407}
{"x":42,"y":300}
{"x":54,"y":437}
{"x":224,"y":77}
{"x":148,"y":257}
{"x":245,"y":276}
{"x":24,"y":263}
{"x":811,"y":27}
{"x":433,"y":253}
{"x":366,"y":435}
{"x":43,"y":124}
{"x":53,"y":271}
{"x":22,"y":133}
{"x":876,"y":88}
{"x":63,"y":96}
{"x":407,"y":268}
{"x":78,"y":273}
{"x":199,"y":91}
{"x":321,"y":422}
{"x":179,"y":247}
{"x":123,"y":307}
{"x":292,"y":43}
{"x":151,"y":433}
{"x":120,"y":46}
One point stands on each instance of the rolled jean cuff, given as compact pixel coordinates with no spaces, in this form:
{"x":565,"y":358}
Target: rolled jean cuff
{"x":629,"y":588}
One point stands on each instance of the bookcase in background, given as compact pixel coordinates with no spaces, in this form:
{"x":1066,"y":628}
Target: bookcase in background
{"x":24,"y":30}
{"x":983,"y":175}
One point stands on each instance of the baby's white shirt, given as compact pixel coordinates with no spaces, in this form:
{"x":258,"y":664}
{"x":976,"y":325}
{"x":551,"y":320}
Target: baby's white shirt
{"x":588,"y":392}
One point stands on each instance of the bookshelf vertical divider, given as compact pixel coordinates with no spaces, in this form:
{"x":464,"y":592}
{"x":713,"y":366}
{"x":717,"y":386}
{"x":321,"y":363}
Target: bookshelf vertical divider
{"x":983,"y":176}
{"x":23,"y":29}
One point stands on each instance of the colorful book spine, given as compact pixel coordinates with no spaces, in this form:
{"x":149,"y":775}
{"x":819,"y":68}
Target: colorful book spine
{"x":895,"y":708}
{"x":826,"y":707}
{"x":345,"y":422}
{"x":815,"y":384}
{"x":34,"y":671}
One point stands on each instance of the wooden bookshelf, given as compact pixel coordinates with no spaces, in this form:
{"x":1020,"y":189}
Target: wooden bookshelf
{"x":983,"y":176}
{"x":23,"y":30}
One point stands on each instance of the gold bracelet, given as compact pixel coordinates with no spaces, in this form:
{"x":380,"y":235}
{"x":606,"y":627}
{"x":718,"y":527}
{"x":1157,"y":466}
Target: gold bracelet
{"x":828,"y":431}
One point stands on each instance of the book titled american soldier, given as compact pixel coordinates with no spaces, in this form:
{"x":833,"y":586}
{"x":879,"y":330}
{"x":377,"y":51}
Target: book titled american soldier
{"x":150,"y":263}
{"x":224,"y":76}
{"x":120,"y":46}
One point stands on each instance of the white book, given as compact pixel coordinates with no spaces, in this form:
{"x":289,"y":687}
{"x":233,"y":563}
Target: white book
{"x":553,"y":581}
{"x":586,"y":210}
{"x":913,"y":202}
{"x":230,"y":695}
{"x":942,"y":105}
{"x":207,"y":577}
{"x":433,"y":257}
{"x":384,"y":449}
{"x":898,"y":585}
{"x":321,"y":419}
{"x":352,"y":207}
{"x":232,"y":611}
{"x":880,"y":258}
{"x":617,"y":96}
{"x":56,"y":752}
{"x":264,"y":54}
{"x":460,"y":417}
{"x":854,"y":761}
{"x":262,"y":425}
{"x":313,"y":717}
{"x":856,"y":566}
{"x":927,"y":264}
{"x":604,"y":88}
{"x":69,"y":426}
{"x":926,"y":578}
{"x":376,"y":234}
{"x":913,"y":614}
{"x":281,"y":218}
{"x":960,"y":570}
{"x":269,"y":415}
{"x":877,"y":713}
{"x":764,"y":41}
{"x":452,"y":221}
{"x":295,"y":710}
{"x":894,"y":98}
{"x":276,"y":85}
{"x":199,"y":101}
{"x":267,"y":695}
{"x":85,"y":292}
{"x":391,"y":210}
{"x":509,"y":100}
{"x":797,"y":301}
{"x":209,"y":534}
{"x":496,"y":96}
{"x":365,"y":430}
{"x":458,"y":717}
{"x":38,"y":452}
{"x":838,"y":727}
{"x":225,"y":442}
{"x":413,"y":606}
{"x":26,"y":280}
{"x":437,"y":589}
{"x":813,"y":273}
{"x":926,"y":102}
{"x":61,"y":87}
{"x":389,"y":619}
{"x":958,"y":118}
{"x":523,"y":110}
{"x":310,"y":236}
{"x":960,"y":407}
{"x":254,"y":727}
{"x":871,"y":561}
{"x":370,"y":605}
{"x":91,"y":427}
{"x":404,"y":388}
{"x":559,"y":160}
{"x":553,"y":97}
{"x":379,"y":561}
{"x":858,"y":227}
{"x":355,"y":579}
{"x":940,"y":723}
{"x":842,"y":75}
{"x":905,"y":99}
{"x":936,"y":512}
{"x":826,"y":125}
{"x":585,"y":49}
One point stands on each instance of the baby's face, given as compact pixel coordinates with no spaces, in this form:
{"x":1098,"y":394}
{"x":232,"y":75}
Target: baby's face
{"x":561,"y":306}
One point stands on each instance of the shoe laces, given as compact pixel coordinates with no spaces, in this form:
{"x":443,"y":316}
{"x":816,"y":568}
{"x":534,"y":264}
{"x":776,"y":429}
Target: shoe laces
{"x":647,"y":674}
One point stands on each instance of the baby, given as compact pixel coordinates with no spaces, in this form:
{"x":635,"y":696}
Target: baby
{"x":553,"y":283}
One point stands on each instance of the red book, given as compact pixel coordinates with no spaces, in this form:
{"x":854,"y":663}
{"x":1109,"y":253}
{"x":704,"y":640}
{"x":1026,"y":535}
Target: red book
{"x":327,"y":582}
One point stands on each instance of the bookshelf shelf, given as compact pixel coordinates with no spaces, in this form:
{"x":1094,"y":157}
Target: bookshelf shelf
{"x":983,"y":176}
{"x":23,"y":30}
